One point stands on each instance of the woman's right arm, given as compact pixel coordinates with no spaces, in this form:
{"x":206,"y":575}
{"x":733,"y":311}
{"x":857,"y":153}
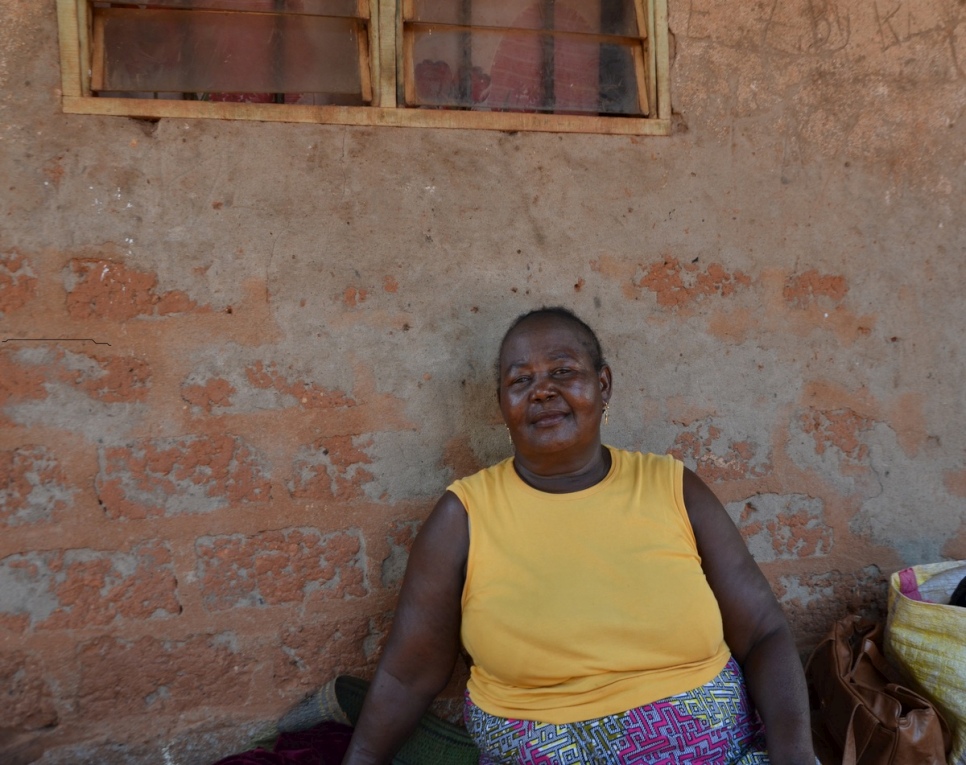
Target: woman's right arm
{"x":424,"y":641}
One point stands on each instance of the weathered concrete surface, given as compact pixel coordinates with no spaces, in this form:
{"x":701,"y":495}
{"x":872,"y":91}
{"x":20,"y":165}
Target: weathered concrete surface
{"x":276,"y":343}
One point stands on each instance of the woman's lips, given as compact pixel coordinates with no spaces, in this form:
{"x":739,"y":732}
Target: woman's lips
{"x":547,"y":419}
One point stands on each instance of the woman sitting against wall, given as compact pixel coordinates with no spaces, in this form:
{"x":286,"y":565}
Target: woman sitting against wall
{"x":610,"y":608}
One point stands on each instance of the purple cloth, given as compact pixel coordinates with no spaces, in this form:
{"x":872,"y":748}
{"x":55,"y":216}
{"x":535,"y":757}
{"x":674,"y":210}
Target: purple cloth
{"x":325,"y":744}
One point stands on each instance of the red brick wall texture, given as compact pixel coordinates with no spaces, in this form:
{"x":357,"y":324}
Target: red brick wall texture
{"x":240,"y":361}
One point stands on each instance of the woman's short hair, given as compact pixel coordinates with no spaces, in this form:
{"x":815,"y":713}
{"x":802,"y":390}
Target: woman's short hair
{"x":559,"y":313}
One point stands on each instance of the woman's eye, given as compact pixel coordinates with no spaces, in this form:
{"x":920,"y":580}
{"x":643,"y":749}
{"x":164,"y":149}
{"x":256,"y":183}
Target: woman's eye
{"x":561,"y":372}
{"x":519,"y":380}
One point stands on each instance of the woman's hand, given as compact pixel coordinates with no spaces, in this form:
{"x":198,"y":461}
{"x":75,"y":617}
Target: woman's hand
{"x":424,"y":642}
{"x":755,"y":628}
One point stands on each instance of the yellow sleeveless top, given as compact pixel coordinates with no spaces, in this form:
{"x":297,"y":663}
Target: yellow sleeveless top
{"x":585,"y":604}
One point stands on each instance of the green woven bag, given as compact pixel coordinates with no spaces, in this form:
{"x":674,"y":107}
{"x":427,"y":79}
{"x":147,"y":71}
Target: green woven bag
{"x":435,"y":741}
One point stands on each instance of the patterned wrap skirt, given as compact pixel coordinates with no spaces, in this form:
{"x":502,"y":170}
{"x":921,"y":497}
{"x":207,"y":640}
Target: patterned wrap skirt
{"x":714,"y":724}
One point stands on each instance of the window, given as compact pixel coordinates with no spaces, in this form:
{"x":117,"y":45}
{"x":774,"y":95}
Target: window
{"x":559,"y":65}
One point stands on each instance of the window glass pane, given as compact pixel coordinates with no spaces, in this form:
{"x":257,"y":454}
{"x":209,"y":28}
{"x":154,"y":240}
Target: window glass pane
{"x":525,"y":71}
{"x":311,"y":7}
{"x":612,"y":17}
{"x":206,"y":52}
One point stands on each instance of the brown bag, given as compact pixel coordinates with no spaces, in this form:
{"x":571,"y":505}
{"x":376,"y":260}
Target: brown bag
{"x":861,"y":708}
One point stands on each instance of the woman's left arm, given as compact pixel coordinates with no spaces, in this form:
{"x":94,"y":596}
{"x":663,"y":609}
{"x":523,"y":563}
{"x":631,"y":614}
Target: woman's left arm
{"x":754,"y":627}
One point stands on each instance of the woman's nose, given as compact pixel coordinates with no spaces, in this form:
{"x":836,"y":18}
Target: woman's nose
{"x":543,"y":388}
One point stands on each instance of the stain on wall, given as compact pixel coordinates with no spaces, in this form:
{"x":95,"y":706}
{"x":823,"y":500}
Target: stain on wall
{"x":240,"y":361}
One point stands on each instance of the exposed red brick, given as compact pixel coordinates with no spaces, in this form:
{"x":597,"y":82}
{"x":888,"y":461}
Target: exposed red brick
{"x":115,"y":379}
{"x":279,"y":567}
{"x":21,"y":377}
{"x":32,"y":373}
{"x":158,"y":675}
{"x":25,"y":695}
{"x":171,"y":476}
{"x":312,"y":653}
{"x":306,"y":394}
{"x":678,"y":285}
{"x":330,"y":468}
{"x":390,"y":284}
{"x":804,"y":289}
{"x":716,"y":458}
{"x":784,"y":527}
{"x":354,"y":295}
{"x":14,"y":623}
{"x":18,"y":283}
{"x":838,"y":429}
{"x":33,"y":488}
{"x":105,"y":289}
{"x":955,"y":482}
{"x":71,"y":589}
{"x":216,"y":392}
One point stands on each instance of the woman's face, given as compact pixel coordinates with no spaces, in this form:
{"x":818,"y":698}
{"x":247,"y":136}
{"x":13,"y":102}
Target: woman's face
{"x":551,"y":397}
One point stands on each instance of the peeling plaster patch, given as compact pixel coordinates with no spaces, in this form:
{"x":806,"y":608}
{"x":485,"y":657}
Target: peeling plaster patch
{"x":805,"y":289}
{"x":833,"y":443}
{"x":99,"y":396}
{"x":33,"y":488}
{"x":104,"y":289}
{"x":38,"y":372}
{"x":71,"y":589}
{"x":18,"y":282}
{"x":289,"y":566}
{"x":312,"y":652}
{"x":793,"y":589}
{"x":716,"y":457}
{"x":28,"y":703}
{"x":839,"y":431}
{"x":193,"y":671}
{"x":294,"y":392}
{"x":400,"y":539}
{"x":236,"y":381}
{"x":331,"y":468}
{"x":210,"y":394}
{"x":26,"y":595}
{"x":782,"y":527}
{"x":71,"y":411}
{"x":680,"y":286}
{"x":173,"y":476}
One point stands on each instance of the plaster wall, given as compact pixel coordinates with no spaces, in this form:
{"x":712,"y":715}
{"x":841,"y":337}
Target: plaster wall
{"x":241,"y":360}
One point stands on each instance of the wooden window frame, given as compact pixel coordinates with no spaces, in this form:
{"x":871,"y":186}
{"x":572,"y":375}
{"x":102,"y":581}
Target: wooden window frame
{"x":386,"y":56}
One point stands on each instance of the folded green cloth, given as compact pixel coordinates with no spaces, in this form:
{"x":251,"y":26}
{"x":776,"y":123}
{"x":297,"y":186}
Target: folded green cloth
{"x":435,"y":741}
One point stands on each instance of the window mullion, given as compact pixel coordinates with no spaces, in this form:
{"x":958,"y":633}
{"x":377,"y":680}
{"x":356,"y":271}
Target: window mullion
{"x":464,"y":72}
{"x":404,"y":49}
{"x":661,"y":52}
{"x":73,"y":65}
{"x":382,"y":22}
{"x":96,"y":79}
{"x":645,"y":11}
{"x":548,"y":45}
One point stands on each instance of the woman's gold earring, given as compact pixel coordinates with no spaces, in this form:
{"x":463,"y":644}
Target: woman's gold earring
{"x":606,"y":416}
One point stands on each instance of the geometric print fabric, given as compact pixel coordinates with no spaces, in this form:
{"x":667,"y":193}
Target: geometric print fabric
{"x":714,"y":724}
